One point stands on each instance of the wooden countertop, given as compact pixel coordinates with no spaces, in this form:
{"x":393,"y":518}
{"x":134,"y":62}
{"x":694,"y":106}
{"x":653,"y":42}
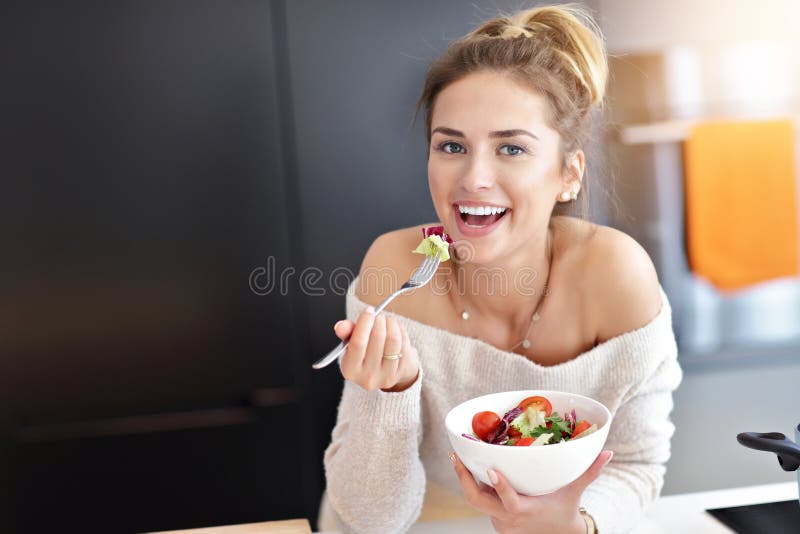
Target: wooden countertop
{"x":291,"y":526}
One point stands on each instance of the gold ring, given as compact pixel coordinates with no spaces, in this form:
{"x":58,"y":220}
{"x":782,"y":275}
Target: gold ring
{"x":393,"y":356}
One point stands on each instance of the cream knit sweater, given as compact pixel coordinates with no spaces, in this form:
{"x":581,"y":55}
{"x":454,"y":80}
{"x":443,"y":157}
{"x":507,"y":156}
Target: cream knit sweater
{"x":387,"y":465}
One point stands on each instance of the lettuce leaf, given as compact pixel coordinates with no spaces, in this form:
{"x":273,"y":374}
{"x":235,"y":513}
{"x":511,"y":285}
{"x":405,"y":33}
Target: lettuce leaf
{"x":434,"y":245}
{"x":543,"y":439}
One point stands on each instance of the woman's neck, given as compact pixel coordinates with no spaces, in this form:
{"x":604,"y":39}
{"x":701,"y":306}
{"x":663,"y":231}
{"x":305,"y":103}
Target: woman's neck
{"x":508,"y":291}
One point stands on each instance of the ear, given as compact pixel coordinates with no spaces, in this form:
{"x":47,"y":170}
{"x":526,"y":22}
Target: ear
{"x":577,"y":164}
{"x":571,"y":181}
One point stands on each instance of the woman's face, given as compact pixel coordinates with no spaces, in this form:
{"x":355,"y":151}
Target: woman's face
{"x":491,"y":147}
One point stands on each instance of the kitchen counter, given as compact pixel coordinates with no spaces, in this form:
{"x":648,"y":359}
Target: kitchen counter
{"x":686,"y":513}
{"x":674,"y":513}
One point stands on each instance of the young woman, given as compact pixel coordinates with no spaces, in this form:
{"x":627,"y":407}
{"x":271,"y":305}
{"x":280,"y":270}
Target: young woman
{"x":581,"y":309}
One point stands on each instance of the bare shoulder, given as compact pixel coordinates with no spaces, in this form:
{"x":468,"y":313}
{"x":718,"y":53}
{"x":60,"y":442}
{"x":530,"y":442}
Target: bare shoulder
{"x":621,"y":283}
{"x":388,"y":263}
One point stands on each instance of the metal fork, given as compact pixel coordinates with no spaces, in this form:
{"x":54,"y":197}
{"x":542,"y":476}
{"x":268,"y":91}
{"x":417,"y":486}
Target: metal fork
{"x":419,"y":278}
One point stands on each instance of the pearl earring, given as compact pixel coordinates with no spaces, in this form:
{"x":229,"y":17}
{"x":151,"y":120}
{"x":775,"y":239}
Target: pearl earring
{"x":565,"y":196}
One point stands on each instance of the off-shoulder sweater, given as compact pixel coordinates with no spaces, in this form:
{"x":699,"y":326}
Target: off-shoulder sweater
{"x":387,"y":464}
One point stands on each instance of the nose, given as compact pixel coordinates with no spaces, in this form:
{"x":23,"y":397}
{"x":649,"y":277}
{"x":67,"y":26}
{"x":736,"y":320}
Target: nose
{"x":478,"y":174}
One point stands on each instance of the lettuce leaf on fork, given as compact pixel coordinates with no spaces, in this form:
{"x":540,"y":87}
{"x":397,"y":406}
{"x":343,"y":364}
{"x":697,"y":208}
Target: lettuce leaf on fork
{"x":435,"y":243}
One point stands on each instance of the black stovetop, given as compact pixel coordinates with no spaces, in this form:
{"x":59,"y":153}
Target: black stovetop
{"x":768,"y":518}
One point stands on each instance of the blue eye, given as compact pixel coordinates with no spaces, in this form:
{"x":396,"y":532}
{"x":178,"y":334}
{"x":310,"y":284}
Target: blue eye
{"x":451,"y":147}
{"x":512,"y":150}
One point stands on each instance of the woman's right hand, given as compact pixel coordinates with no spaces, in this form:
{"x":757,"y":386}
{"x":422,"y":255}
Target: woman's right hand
{"x":372,"y":337}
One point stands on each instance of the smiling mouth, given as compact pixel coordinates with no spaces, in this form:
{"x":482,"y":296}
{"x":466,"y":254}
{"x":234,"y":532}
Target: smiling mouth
{"x":480,"y":221}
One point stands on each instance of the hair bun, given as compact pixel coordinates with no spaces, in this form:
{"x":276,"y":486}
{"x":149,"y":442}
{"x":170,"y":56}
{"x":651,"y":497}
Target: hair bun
{"x":574,"y":36}
{"x":512,"y":31}
{"x":504,"y":28}
{"x":577,"y":39}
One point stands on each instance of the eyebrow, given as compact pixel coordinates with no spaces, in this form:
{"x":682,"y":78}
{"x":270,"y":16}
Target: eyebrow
{"x":499,"y":134}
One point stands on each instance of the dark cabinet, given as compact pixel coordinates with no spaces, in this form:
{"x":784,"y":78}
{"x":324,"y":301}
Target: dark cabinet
{"x":140,"y":482}
{"x":142,"y":184}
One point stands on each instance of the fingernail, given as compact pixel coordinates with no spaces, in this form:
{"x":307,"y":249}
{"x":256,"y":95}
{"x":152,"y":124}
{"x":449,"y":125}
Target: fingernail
{"x":337,"y":325}
{"x":370,"y":310}
{"x":492,"y":476}
{"x":453,"y":458}
{"x":610,"y":456}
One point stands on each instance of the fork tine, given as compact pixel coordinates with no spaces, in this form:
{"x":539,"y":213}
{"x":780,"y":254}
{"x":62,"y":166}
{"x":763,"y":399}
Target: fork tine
{"x":431,"y":264}
{"x":424,"y":268}
{"x":425,"y":271}
{"x":435,"y":265}
{"x":419,"y":272}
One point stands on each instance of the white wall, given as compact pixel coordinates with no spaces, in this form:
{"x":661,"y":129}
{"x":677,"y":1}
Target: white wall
{"x":646,"y":25}
{"x":734,"y":57}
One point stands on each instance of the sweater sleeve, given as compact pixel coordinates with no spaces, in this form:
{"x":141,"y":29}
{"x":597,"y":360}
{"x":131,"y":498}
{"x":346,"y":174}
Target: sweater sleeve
{"x":640,"y":438}
{"x":374,"y":475}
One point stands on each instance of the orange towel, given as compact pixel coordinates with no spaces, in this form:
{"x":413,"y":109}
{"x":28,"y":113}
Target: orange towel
{"x":741,"y":202}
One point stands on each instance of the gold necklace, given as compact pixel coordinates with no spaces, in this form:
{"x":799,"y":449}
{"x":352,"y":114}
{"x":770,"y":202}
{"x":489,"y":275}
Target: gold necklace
{"x":525,"y":343}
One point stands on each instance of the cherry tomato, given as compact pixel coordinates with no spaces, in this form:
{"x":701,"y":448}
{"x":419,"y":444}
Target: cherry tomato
{"x":540,"y":403}
{"x":483,"y":423}
{"x":513,"y":432}
{"x":524,"y":442}
{"x":580,"y":427}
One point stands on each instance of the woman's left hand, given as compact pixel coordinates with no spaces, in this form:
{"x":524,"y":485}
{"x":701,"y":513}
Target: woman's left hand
{"x":512,"y":512}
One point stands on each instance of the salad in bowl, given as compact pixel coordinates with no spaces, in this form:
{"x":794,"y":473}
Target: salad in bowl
{"x":532,"y":422}
{"x":540,"y":440}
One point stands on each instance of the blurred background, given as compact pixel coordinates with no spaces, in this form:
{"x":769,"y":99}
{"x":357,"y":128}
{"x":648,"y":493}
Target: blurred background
{"x":189,"y":186}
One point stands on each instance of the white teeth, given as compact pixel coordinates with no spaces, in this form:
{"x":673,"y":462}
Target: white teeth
{"x":481,"y":210}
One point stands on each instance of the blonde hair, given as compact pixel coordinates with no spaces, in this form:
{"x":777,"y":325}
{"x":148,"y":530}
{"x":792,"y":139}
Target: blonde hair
{"x":558,"y":51}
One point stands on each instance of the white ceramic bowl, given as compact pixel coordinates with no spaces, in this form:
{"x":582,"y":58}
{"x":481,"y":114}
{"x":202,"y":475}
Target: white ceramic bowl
{"x":530,"y":470}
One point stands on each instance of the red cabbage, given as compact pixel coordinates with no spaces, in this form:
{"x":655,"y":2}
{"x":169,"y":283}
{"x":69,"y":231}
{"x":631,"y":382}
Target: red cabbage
{"x":437,"y":230}
{"x":498,"y":434}
{"x":512,"y":414}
